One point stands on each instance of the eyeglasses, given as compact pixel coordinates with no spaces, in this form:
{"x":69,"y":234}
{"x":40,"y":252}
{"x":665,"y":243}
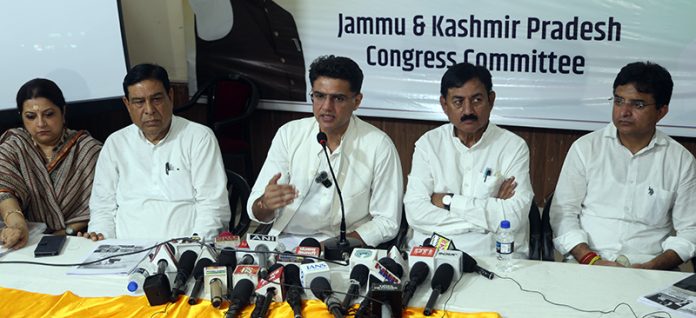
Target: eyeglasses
{"x":338,"y":99}
{"x":617,"y":101}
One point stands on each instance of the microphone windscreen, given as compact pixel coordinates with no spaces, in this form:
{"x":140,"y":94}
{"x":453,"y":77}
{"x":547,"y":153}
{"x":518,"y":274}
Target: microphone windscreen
{"x":188,"y":258}
{"x":426,"y":242}
{"x":292,"y":275}
{"x":310,"y":242}
{"x":360,"y":273}
{"x":321,"y":138}
{"x":442,"y":277}
{"x":228,"y":257}
{"x":320,"y":286}
{"x":274,"y":267}
{"x":468,"y":263}
{"x":419,"y":271}
{"x":242,"y":291}
{"x":391,"y":265}
{"x":200,"y":265}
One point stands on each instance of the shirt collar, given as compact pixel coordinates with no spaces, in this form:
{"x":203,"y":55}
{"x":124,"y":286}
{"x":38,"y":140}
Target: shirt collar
{"x":172,"y":126}
{"x":658,"y":139}
{"x":349,"y":132}
{"x":487,"y":134}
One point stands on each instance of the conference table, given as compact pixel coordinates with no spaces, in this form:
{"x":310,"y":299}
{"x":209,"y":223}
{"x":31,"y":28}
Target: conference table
{"x":590,"y":288}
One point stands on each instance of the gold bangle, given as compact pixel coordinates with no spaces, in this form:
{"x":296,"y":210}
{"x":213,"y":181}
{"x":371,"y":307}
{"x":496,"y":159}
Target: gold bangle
{"x":594,"y":260}
{"x":4,"y":218}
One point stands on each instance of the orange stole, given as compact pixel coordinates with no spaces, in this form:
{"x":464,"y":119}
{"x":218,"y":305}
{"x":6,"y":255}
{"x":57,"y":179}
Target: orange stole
{"x":19,"y":303}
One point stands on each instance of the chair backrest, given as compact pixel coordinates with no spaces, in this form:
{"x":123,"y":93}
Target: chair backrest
{"x":535,"y":234}
{"x":547,"y":250}
{"x":230,"y":98}
{"x":238,"y":195}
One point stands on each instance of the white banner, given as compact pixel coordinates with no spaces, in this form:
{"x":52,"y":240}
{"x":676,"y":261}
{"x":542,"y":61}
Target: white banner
{"x":553,"y":62}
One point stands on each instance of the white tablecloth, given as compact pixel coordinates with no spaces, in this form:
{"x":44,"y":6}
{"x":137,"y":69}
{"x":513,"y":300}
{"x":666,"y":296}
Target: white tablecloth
{"x":585,"y":287}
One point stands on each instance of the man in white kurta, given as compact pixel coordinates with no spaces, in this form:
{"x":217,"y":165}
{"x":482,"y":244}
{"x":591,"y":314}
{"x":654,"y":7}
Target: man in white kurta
{"x":290,"y":191}
{"x":469,"y":175}
{"x":626,"y":194}
{"x":161,"y":177}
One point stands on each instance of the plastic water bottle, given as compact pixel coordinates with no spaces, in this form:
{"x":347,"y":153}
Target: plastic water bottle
{"x":505,"y":246}
{"x":136,"y":280}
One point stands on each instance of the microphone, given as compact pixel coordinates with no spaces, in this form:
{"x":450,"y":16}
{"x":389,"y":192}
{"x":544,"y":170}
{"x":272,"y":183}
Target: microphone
{"x":198,"y":277}
{"x":262,"y":251}
{"x":240,"y":297}
{"x":385,"y":280}
{"x":323,"y":178}
{"x":470,"y":266}
{"x":337,"y":248}
{"x":321,"y":288}
{"x":419,"y":272}
{"x":308,"y":249}
{"x":247,"y":259}
{"x":387,"y":270}
{"x":216,"y":292}
{"x":273,"y":280}
{"x":268,"y":298}
{"x":156,"y":287}
{"x":188,"y":258}
{"x":228,"y":258}
{"x":295,"y":290}
{"x":440,"y":283}
{"x":358,"y":279}
{"x":258,"y":306}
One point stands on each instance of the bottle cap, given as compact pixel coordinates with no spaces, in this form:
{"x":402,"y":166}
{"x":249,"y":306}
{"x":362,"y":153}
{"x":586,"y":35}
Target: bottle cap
{"x":132,"y":286}
{"x":505,"y":224}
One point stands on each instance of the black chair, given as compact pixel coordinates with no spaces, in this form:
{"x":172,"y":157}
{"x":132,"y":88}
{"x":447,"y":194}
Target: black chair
{"x":535,"y":233}
{"x":547,"y":250}
{"x":231,"y":100}
{"x":238,"y":194}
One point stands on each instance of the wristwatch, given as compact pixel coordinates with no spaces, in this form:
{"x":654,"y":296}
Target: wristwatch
{"x":447,"y":200}
{"x":69,"y":230}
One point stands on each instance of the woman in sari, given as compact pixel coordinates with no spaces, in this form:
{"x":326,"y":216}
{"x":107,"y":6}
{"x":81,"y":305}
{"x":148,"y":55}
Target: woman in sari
{"x":46,"y":170}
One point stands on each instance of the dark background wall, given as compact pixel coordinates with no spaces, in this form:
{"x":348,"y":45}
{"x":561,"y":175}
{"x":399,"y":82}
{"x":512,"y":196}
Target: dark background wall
{"x":548,"y":147}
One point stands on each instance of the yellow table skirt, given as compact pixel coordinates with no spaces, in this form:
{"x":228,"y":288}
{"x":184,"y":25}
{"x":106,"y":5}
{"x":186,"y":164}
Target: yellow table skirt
{"x":19,"y":303}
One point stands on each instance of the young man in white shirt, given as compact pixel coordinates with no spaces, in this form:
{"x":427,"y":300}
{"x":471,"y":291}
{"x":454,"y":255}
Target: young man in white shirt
{"x":290,"y":190}
{"x":469,"y":175}
{"x":626,"y":188}
{"x":161,"y":177}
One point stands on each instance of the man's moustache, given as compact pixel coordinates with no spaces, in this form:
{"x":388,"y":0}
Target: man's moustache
{"x":469,"y":117}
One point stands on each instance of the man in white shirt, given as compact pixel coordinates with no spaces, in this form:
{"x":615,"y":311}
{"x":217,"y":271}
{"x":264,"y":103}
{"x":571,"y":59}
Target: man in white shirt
{"x":294,"y":189}
{"x":625,"y":189}
{"x":469,"y":175}
{"x":161,"y":177}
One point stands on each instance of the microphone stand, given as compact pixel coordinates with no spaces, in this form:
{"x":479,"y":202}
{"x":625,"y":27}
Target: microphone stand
{"x":341,"y":247}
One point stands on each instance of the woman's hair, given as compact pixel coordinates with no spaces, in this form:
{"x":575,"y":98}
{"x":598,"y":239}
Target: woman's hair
{"x":40,"y":87}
